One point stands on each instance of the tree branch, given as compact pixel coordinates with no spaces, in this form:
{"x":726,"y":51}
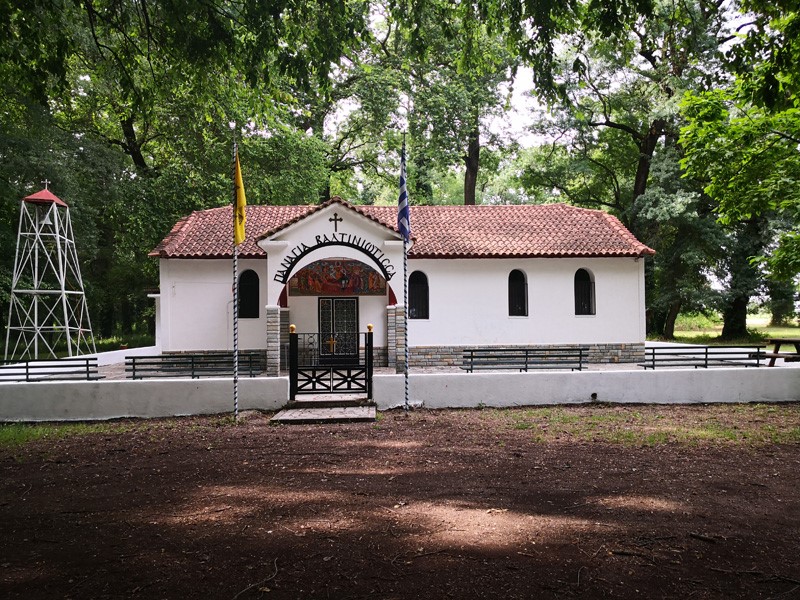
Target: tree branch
{"x":622,"y":127}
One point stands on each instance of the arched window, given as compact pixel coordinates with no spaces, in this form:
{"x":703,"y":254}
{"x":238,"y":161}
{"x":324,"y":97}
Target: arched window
{"x":248,"y":295}
{"x":517,"y":294}
{"x":584,"y":293}
{"x":418,"y":296}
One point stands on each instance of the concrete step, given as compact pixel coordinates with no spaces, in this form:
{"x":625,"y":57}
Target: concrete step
{"x":329,"y":401}
{"x":342,"y":414}
{"x":325,"y":403}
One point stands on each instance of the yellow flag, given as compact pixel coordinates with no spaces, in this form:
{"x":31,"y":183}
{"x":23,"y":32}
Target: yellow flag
{"x":241,"y":202}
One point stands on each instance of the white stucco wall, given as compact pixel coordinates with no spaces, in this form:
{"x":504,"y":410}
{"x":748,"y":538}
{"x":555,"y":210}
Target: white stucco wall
{"x":100,"y":400}
{"x":70,"y":401}
{"x":469,"y":302}
{"x":663,"y":386}
{"x":196,"y":304}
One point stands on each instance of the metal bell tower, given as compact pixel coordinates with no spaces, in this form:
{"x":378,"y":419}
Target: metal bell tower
{"x":48,"y":313}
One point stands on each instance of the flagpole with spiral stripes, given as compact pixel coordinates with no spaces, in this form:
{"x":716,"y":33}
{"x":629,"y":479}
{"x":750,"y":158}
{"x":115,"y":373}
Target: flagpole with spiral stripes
{"x":235,"y":291}
{"x":404,"y":227}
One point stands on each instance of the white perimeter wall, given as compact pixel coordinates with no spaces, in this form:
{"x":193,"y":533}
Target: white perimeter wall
{"x":101,"y":400}
{"x":196,"y":305}
{"x":679,"y":386}
{"x":469,"y":302}
{"x":73,"y":401}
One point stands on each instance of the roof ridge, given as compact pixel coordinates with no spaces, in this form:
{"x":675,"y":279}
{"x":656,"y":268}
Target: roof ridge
{"x":315,"y":208}
{"x":441,"y":231}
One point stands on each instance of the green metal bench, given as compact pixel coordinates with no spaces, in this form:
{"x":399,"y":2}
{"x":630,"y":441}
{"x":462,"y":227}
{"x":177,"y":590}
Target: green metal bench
{"x":61,"y":369}
{"x":195,"y":366}
{"x":523,"y":359}
{"x":703,"y":357}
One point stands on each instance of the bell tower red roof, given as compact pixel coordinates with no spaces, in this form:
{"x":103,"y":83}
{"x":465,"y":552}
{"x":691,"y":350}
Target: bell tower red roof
{"x":44,"y":196}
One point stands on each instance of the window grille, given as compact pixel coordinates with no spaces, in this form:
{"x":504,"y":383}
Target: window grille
{"x":248,"y":295}
{"x":418,"y":295}
{"x":584,"y":293}
{"x":517,"y":294}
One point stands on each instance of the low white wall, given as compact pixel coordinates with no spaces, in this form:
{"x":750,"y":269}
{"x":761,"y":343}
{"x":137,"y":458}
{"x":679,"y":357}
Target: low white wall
{"x":114,"y":357}
{"x":98,"y":400}
{"x":462,"y":390}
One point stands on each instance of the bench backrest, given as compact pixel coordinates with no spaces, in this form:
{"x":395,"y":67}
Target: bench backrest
{"x":193,"y":365}
{"x":76,"y":368}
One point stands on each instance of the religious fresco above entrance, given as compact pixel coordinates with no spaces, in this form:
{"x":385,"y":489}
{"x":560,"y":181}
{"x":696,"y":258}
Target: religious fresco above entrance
{"x":337,"y":277}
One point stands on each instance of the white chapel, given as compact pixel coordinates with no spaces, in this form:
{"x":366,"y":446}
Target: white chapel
{"x":522,"y":275}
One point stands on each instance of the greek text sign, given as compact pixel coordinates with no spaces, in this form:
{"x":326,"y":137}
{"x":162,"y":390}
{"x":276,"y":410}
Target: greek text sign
{"x":335,"y":239}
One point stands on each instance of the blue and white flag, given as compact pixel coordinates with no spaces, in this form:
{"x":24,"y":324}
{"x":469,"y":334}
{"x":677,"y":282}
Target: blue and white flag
{"x":403,"y":212}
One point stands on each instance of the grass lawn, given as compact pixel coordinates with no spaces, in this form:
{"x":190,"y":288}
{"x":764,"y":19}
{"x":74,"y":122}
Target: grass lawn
{"x":694,"y":329}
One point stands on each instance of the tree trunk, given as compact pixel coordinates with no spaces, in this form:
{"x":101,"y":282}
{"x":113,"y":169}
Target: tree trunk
{"x":103,"y":292}
{"x":735,"y":318}
{"x":669,"y":322}
{"x":126,"y":315}
{"x":472,"y":162}
{"x":325,"y":192}
{"x":744,"y":278}
{"x":132,"y":145}
{"x":420,"y":187}
{"x":646,"y":149}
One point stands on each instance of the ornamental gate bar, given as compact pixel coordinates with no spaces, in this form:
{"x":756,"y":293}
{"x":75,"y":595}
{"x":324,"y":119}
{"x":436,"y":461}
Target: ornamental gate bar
{"x":330,"y":363}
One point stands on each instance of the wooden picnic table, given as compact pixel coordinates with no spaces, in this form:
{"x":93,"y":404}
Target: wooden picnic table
{"x":786,"y":356}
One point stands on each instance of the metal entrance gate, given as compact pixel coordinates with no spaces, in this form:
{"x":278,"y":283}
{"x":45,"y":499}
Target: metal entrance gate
{"x":315,"y":367}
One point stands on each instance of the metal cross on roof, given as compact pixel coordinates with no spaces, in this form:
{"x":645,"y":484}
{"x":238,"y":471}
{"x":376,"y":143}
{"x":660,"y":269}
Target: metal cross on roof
{"x":336,"y":219}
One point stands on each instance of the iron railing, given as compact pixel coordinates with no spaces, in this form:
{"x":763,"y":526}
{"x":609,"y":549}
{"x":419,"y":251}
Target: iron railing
{"x":62,"y":369}
{"x":523,"y":359}
{"x":330,"y":348}
{"x":217,"y":364}
{"x":324,"y":363}
{"x":703,"y":357}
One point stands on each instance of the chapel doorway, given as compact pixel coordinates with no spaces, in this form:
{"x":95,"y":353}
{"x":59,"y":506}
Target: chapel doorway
{"x":338,"y":331}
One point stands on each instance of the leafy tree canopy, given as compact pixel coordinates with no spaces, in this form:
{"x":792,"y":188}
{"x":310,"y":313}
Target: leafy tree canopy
{"x":748,"y":157}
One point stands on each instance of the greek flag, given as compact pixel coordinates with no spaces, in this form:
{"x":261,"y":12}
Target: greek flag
{"x":403,"y":212}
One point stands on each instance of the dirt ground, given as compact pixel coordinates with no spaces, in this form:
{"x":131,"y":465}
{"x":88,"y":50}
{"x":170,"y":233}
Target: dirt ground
{"x":593,"y":502}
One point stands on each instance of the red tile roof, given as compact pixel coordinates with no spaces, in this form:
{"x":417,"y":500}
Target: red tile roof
{"x":44,"y":196}
{"x":209,"y":233}
{"x":546,"y":230}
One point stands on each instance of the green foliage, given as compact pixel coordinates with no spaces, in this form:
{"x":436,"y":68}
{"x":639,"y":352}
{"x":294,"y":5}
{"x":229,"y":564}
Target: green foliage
{"x":748,"y":158}
{"x":288,"y":167}
{"x":766,"y":62}
{"x":697,"y":321}
{"x":614,"y":133}
{"x":127,"y":108}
